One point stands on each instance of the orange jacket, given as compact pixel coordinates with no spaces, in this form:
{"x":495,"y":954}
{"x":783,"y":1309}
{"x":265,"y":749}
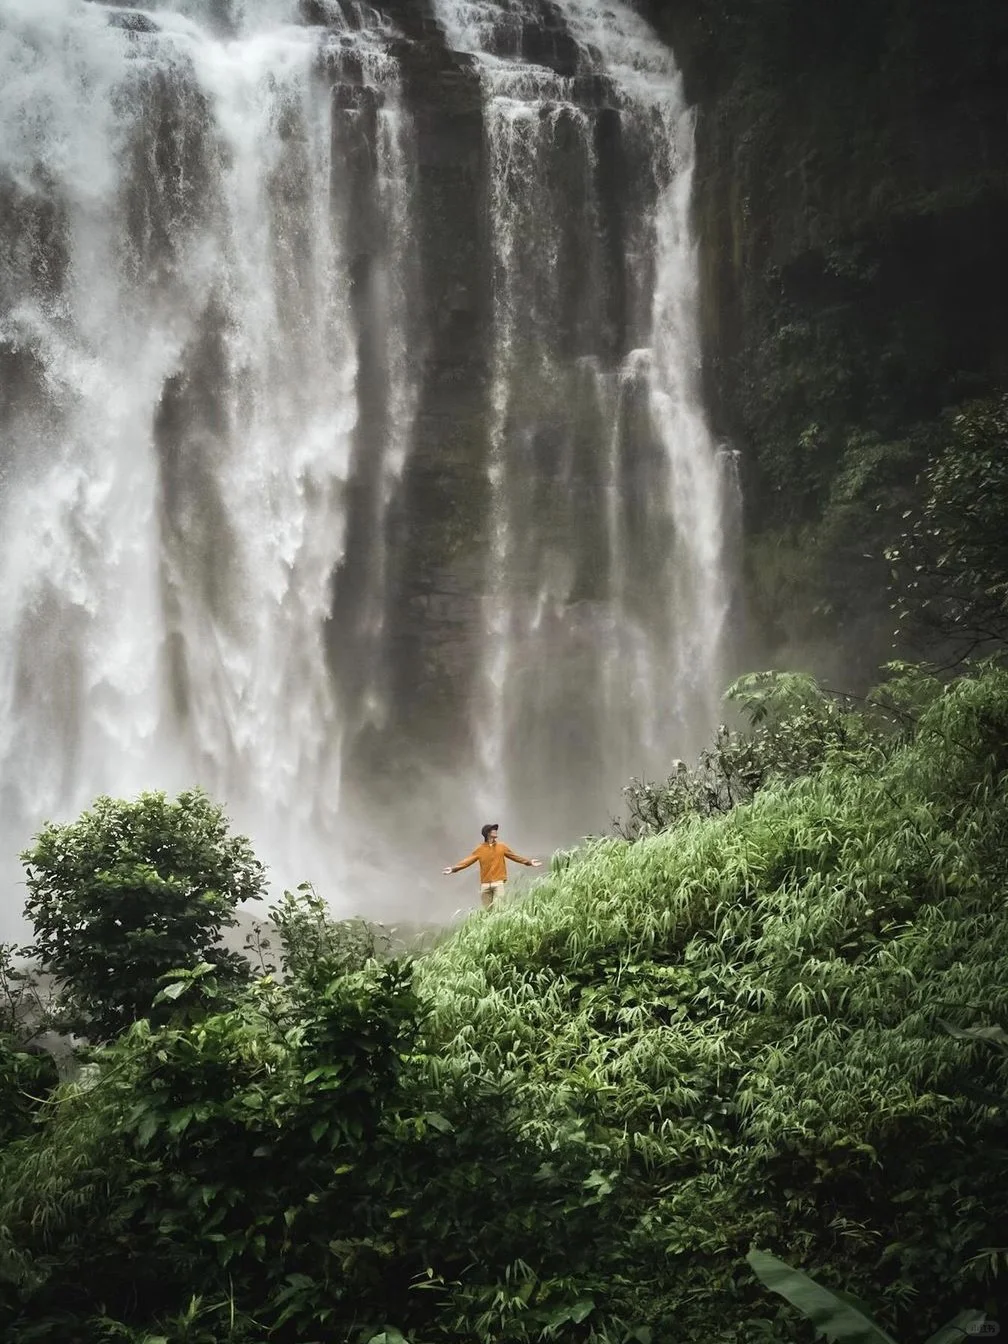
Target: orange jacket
{"x":491,"y":861}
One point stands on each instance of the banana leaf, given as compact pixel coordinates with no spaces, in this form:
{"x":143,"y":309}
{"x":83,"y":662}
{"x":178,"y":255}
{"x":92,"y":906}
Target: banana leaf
{"x":996,"y":1036}
{"x":838,"y":1316}
{"x":958,"y":1328}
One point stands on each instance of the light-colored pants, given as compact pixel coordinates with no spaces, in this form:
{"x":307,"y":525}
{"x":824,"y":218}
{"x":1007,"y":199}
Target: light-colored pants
{"x":490,"y":890}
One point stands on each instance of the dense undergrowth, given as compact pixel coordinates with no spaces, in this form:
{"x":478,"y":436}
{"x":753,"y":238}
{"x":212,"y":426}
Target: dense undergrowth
{"x":575,"y":1116}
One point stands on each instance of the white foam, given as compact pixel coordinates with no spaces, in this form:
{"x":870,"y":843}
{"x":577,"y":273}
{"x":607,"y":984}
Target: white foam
{"x":94,"y":602}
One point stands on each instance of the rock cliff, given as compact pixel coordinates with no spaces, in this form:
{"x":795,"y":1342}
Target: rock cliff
{"x":851,"y":203}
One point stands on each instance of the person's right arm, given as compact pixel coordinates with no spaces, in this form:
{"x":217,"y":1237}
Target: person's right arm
{"x":457,"y":867}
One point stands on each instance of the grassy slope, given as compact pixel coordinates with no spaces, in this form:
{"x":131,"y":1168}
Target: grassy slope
{"x":667,"y":1052}
{"x":742,"y":1012}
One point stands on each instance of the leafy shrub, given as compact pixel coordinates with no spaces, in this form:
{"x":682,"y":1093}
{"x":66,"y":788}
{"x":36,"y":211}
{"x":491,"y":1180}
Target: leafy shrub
{"x":950,"y":567}
{"x":572,"y":1122}
{"x":23,"y":1010}
{"x":25,"y":1081}
{"x":740,"y":1016}
{"x":314,"y":947}
{"x":838,"y":1316}
{"x":794,"y":725}
{"x":129,"y":892}
{"x":27,"y":1075}
{"x":236,"y":1150}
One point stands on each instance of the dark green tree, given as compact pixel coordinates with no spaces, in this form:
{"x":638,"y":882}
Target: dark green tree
{"x":950,"y":566}
{"x":129,"y":892}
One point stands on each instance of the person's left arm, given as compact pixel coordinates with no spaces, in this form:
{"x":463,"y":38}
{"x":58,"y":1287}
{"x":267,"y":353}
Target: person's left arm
{"x":529,"y":863}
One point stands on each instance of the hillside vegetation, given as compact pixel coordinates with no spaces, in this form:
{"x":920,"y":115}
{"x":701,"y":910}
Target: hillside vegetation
{"x":574,"y":1118}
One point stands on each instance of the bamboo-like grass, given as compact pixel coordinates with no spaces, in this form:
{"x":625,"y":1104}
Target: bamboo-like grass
{"x":764,"y":987}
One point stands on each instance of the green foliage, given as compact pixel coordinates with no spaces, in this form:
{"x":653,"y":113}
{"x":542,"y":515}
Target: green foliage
{"x":794,"y":726}
{"x":832,"y":568}
{"x":836,"y":1315}
{"x":997,"y":1038}
{"x":314,"y":947}
{"x":241,"y":1150}
{"x":950,"y":567}
{"x":129,"y":892}
{"x":850,"y":188}
{"x":574,"y":1120}
{"x":26,"y":1076}
{"x":739,"y":1015}
{"x":25,"y":1081}
{"x":23,"y":1011}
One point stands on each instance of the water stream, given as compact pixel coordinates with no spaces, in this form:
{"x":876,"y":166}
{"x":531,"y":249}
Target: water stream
{"x":212,"y":350}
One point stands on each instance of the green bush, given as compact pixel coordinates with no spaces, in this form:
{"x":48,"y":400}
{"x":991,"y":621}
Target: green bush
{"x":741,"y":1016}
{"x":950,"y":567}
{"x":314,"y":947}
{"x":794,"y":726}
{"x":25,"y":1081}
{"x":26,"y":1076}
{"x":129,"y":892}
{"x":236,"y":1152}
{"x":838,"y":1316}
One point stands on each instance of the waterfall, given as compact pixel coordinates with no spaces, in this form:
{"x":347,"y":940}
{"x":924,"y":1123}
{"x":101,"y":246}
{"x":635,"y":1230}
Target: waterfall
{"x":229,"y":368}
{"x":182,"y":364}
{"x":606,"y":591}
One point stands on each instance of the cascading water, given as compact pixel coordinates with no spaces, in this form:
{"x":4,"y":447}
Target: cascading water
{"x":230,"y":380}
{"x":607,"y":590}
{"x":182,"y":361}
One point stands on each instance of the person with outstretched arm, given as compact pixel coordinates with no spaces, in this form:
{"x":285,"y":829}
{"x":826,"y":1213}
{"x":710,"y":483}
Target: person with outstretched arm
{"x":491,"y":856}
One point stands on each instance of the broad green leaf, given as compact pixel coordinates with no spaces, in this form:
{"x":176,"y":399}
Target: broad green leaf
{"x":838,"y":1317}
{"x":439,"y":1122}
{"x":147,"y":1129}
{"x":958,"y":1328}
{"x":993,"y":1035}
{"x":173,"y":991}
{"x":983,"y":1096}
{"x":180,"y":1121}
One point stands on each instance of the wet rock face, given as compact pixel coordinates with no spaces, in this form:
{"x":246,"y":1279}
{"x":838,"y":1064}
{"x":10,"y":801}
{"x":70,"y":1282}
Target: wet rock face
{"x":413,"y":18}
{"x":435,"y":531}
{"x":439,"y":527}
{"x":850,"y":179}
{"x":434,"y":536}
{"x":133,"y":22}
